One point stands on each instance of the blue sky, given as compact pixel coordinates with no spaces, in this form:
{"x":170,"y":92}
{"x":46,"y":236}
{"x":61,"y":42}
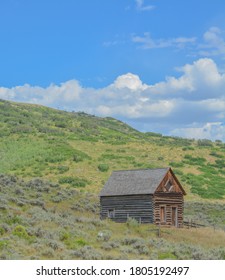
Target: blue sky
{"x":158,"y":65}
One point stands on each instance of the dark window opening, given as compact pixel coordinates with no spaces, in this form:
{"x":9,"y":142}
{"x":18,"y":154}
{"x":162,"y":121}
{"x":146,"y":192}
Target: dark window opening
{"x":169,"y":186}
{"x":111,"y":213}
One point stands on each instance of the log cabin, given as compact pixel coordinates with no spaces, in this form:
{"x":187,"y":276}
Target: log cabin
{"x":147,"y":195}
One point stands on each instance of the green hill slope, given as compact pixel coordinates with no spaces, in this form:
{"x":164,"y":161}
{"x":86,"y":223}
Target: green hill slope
{"x":53,"y":165}
{"x":37,"y":141}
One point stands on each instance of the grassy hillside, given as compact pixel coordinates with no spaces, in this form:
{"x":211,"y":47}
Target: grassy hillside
{"x":53,"y":165}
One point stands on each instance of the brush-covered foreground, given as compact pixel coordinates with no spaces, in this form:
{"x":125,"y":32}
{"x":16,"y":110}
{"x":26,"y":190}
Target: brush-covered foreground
{"x":42,"y":220}
{"x":53,"y":165}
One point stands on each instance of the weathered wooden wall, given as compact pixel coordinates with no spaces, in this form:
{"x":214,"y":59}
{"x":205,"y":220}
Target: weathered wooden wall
{"x":168,"y":200}
{"x":139,"y":207}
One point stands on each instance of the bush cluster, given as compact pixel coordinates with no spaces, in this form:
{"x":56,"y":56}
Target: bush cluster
{"x":103,"y":167}
{"x":73,"y":181}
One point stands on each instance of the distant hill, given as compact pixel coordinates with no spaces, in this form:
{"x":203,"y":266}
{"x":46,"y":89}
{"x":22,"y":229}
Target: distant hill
{"x":28,"y":118}
{"x":53,"y":164}
{"x":40,"y":141}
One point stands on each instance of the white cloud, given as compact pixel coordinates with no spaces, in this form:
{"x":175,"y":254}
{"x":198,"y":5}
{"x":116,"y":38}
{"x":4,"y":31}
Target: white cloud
{"x":142,"y":7}
{"x":53,"y":95}
{"x":211,"y":131}
{"x":110,"y":43}
{"x":159,"y":109}
{"x":200,"y":80}
{"x":147,"y":42}
{"x":213,"y":42}
{"x":170,"y":106}
{"x":129,"y":81}
{"x":6,"y":93}
{"x":214,"y":105}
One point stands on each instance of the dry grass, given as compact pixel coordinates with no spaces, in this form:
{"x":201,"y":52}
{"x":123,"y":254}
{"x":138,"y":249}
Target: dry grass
{"x":205,"y":237}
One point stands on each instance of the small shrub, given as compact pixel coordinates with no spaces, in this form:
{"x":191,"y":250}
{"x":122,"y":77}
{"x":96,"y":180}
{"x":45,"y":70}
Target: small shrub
{"x":57,"y":198}
{"x":48,"y":253}
{"x":62,"y":169}
{"x":188,"y":148}
{"x":194,"y":160}
{"x":5,"y":227}
{"x":103,"y":167}
{"x":176,"y":164}
{"x":3,"y":244}
{"x":20,"y":231}
{"x":65,"y":235}
{"x":38,"y":185}
{"x":80,"y":156}
{"x":140,"y":246}
{"x":77,"y":158}
{"x":73,"y":181}
{"x":66,"y":180}
{"x":80,"y":242}
{"x":54,"y":244}
{"x":10,"y":220}
{"x":3,"y":207}
{"x":160,"y":158}
{"x":104,"y":235}
{"x":166,"y":256}
{"x":127,"y":251}
{"x":204,"y":143}
{"x":220,"y":163}
{"x":72,"y":242}
{"x":19,"y":192}
{"x":178,"y":172}
{"x":61,"y":124}
{"x":86,"y":203}
{"x":130,"y":241}
{"x":132,"y":223}
{"x":38,"y":232}
{"x":36,"y":202}
{"x":110,"y":245}
{"x":118,"y":150}
{"x":2,"y":230}
{"x":87,"y":253}
{"x":214,"y":154}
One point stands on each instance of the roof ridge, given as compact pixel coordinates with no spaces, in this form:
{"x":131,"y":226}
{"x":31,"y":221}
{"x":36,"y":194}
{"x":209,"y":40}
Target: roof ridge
{"x":134,"y":182}
{"x":168,"y":167}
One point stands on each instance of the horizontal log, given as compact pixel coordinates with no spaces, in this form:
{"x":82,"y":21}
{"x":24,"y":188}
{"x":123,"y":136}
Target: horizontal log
{"x":144,"y":208}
